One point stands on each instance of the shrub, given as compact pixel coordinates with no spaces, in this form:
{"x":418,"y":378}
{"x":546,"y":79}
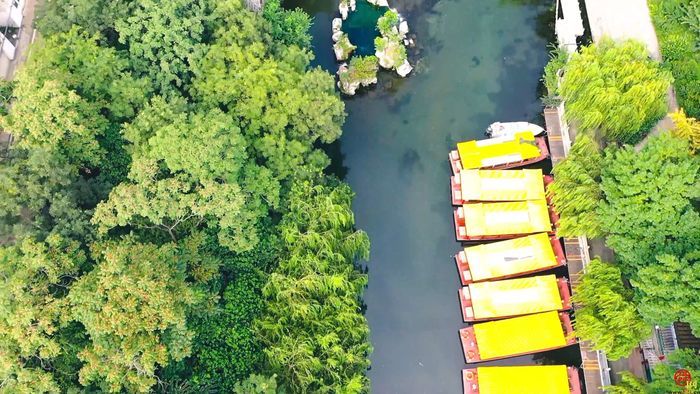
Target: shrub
{"x":615,"y":88}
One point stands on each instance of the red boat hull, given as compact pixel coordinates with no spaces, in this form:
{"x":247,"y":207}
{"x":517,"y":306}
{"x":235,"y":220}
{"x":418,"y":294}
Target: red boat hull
{"x":465,"y":273}
{"x":471,"y":349}
{"x":456,"y":164}
{"x":465,"y":303}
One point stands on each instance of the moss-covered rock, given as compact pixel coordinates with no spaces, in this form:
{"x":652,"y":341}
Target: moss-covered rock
{"x":343,"y":47}
{"x":390,"y":46}
{"x":362,"y":71}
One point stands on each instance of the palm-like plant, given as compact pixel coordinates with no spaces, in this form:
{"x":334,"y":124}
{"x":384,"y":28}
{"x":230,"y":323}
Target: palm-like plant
{"x":317,"y":338}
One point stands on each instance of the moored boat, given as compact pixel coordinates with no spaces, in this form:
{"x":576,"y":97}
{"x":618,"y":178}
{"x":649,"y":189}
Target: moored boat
{"x":504,"y":129}
{"x":509,"y":258}
{"x":516,"y":336}
{"x":500,"y":153}
{"x":502,"y":220}
{"x":535,"y":379}
{"x":513,"y":297}
{"x":498,"y":185}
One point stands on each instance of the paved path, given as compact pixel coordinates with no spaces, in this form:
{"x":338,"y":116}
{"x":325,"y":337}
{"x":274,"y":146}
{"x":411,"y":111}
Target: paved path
{"x":623,"y":19}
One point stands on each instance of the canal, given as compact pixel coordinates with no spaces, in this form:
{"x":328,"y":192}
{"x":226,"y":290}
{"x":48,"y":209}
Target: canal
{"x":478,"y":61}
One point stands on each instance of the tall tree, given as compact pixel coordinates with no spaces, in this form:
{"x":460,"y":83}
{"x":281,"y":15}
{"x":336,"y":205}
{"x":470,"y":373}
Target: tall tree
{"x":34,"y":278}
{"x":576,"y":192}
{"x":163,"y":37}
{"x":315,"y":336}
{"x":40,"y":194}
{"x":605,"y":314}
{"x":669,"y":290}
{"x":649,"y":194}
{"x":95,"y":16}
{"x":615,"y":88}
{"x":190,"y":170}
{"x":133,"y":305}
{"x":282,"y":108}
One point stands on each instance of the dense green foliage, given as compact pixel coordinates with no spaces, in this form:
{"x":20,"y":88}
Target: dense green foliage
{"x":648,"y":207}
{"x":314,"y":331}
{"x":605,"y":314}
{"x":290,"y":27}
{"x":678,"y":30}
{"x":576,"y":192}
{"x":662,"y":376}
{"x":34,"y":277}
{"x":158,"y":143}
{"x":615,"y":88}
{"x":133,"y":305}
{"x":669,"y":290}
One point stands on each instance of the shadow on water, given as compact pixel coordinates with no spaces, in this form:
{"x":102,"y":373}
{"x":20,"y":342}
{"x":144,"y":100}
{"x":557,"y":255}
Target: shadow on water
{"x":476,"y":62}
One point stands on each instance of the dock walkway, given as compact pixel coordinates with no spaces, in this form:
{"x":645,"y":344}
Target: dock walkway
{"x":594,"y":363}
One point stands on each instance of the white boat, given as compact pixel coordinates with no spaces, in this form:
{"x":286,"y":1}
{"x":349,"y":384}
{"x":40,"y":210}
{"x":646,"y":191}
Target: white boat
{"x":507,"y":129}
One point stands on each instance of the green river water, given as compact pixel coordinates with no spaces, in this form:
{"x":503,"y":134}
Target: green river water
{"x":477,"y":61}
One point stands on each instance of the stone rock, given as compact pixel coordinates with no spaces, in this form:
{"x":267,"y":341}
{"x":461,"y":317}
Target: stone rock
{"x":379,"y":3}
{"x":386,"y":57}
{"x":345,"y":86}
{"x":344,"y":9}
{"x":336,"y":35}
{"x":403,"y":28}
{"x":337,"y":24}
{"x":404,"y":69}
{"x":343,"y":47}
{"x":353,"y":5}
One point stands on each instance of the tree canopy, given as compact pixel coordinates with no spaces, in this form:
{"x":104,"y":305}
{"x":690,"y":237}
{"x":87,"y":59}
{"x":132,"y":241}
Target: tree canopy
{"x":648,"y":208}
{"x":133,"y":305}
{"x":576,"y":192}
{"x":615,"y":88}
{"x":605,"y":313}
{"x":314,"y":334}
{"x":149,"y":200}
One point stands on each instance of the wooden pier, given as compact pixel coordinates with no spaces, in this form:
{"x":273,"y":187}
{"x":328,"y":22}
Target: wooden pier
{"x":594,"y":363}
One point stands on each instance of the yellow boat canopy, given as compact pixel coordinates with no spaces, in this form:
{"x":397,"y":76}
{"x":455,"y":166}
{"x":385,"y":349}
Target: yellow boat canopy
{"x":501,"y":185}
{"x":541,"y":379}
{"x":500,"y":218}
{"x":496,"y":151}
{"x":514,"y":297}
{"x":510,"y":257}
{"x":524,"y":334}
